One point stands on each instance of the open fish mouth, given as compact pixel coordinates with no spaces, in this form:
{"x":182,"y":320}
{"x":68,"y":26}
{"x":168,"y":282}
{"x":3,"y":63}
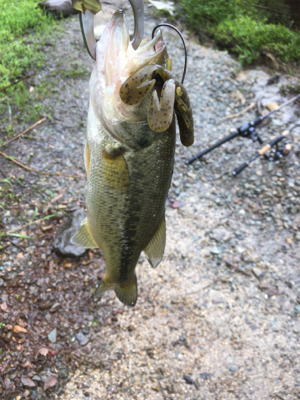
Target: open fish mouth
{"x":150,"y":50}
{"x":116,"y":60}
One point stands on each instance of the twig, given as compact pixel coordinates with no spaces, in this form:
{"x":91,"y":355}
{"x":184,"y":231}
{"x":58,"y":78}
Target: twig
{"x":17,"y":246}
{"x":23,"y":133}
{"x":253,"y":258}
{"x":15,"y":82}
{"x":272,"y":10}
{"x":37,"y":172}
{"x":239,"y":113}
{"x":203,"y":288}
{"x":237,"y":268}
{"x":31,"y":223}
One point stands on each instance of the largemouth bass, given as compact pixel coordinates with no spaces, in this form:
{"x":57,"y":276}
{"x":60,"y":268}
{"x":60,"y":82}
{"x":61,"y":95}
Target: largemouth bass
{"x":129,"y":154}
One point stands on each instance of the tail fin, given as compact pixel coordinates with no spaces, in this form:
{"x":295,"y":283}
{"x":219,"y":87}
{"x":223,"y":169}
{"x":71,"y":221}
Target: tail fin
{"x":126,"y":294}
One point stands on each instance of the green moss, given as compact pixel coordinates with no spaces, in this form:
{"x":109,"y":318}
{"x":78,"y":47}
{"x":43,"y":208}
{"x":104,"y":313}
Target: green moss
{"x":249,"y":39}
{"x":243,"y":29}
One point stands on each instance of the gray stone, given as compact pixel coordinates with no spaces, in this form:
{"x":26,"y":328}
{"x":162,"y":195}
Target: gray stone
{"x":297,"y":236}
{"x":215,"y":250}
{"x":52,"y":335}
{"x":220,"y":235}
{"x":257,"y":272}
{"x":62,"y":242}
{"x":82,"y":339}
{"x":297,"y":327}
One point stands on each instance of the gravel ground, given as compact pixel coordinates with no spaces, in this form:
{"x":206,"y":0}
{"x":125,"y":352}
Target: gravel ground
{"x":220,"y":317}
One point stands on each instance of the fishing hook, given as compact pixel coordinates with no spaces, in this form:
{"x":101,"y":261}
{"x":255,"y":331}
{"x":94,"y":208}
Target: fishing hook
{"x":87,"y":27}
{"x":184,"y":45}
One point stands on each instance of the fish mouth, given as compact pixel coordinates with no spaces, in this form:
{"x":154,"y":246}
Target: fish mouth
{"x":116,"y":60}
{"x":121,"y":60}
{"x":151,"y":51}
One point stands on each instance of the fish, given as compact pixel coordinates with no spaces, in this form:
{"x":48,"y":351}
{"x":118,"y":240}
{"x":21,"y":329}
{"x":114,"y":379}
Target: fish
{"x":129,"y":154}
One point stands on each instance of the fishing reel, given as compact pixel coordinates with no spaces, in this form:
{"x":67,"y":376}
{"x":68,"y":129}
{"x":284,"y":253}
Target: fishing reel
{"x":247,"y":130}
{"x":279,"y":152}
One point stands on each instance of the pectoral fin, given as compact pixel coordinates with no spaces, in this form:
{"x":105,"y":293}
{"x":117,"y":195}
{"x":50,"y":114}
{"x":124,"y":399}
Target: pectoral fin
{"x":115,"y":171}
{"x":161,"y":113}
{"x":83,"y":237}
{"x":154,"y":251}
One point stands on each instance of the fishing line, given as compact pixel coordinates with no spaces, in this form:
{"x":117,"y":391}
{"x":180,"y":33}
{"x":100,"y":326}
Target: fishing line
{"x":219,"y":190}
{"x":184,"y":45}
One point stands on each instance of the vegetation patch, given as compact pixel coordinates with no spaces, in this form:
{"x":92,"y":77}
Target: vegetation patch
{"x":19,"y":53}
{"x":243,"y":29}
{"x":26,"y":77}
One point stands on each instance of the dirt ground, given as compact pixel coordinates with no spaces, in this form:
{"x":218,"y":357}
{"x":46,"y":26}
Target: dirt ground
{"x":220,"y":316}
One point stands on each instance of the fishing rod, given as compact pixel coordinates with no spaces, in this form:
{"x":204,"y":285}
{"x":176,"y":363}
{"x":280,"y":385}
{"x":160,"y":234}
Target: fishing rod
{"x":246,"y":130}
{"x":280,"y":152}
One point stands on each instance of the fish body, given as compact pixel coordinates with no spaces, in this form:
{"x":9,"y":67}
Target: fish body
{"x":129,"y":165}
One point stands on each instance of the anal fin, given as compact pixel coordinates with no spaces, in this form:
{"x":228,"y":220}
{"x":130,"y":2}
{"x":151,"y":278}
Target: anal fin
{"x":83,"y":236}
{"x":154,"y":251}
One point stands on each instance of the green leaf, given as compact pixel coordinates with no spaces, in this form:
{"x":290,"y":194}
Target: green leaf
{"x":17,"y":235}
{"x":35,"y":213}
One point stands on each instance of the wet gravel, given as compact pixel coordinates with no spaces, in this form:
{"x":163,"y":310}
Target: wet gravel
{"x":220,"y":317}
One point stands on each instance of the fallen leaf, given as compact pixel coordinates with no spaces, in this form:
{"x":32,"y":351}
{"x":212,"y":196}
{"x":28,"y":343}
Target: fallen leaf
{"x":50,"y":382}
{"x":46,"y":228}
{"x":27,"y":382}
{"x":176,"y":204}
{"x":238,"y":96}
{"x":58,"y":196}
{"x":272,"y":106}
{"x":21,"y":322}
{"x":43,"y":351}
{"x":27,"y":364}
{"x":4,"y":307}
{"x":19,"y":329}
